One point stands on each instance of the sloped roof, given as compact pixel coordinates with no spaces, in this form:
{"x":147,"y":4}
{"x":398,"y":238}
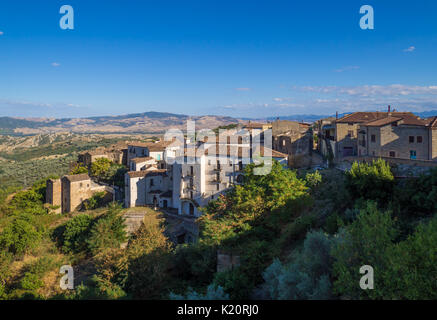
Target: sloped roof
{"x":383,"y":121}
{"x":382,"y":118}
{"x":142,"y":159}
{"x":143,"y":173}
{"x":77,"y":177}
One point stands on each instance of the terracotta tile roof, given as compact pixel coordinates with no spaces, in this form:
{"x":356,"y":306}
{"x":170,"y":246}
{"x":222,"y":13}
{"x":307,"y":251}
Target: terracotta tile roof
{"x":256,"y":125}
{"x":383,"y":121}
{"x":382,"y":118}
{"x":142,"y":159}
{"x":143,"y":173}
{"x":77,"y":177}
{"x":139,"y":144}
{"x":432,"y":122}
{"x":159,"y":146}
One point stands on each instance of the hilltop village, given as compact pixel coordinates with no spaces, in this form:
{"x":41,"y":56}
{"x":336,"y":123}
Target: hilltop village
{"x":181,"y":176}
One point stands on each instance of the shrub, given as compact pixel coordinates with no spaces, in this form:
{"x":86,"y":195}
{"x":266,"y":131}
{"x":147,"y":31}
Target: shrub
{"x":306,"y":277}
{"x":19,"y":236}
{"x":31,"y":281}
{"x":108,"y":231}
{"x":78,"y":169}
{"x":365,"y":242}
{"x":213,"y":292}
{"x":76,"y":233}
{"x":96,"y":201}
{"x":373,"y":181}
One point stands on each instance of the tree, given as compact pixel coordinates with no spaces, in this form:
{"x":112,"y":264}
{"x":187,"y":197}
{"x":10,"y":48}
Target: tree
{"x":100,"y":167}
{"x":279,"y":191}
{"x":307,"y":276}
{"x":108,"y":231}
{"x":79,"y":169}
{"x":364,"y":242}
{"x":373,"y":181}
{"x":20,"y":236}
{"x":213,"y":292}
{"x":149,"y":254}
{"x":412,"y":266}
{"x":76,"y":233}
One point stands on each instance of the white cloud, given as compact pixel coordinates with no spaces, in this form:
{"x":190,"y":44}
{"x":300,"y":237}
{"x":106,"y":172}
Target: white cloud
{"x":1,"y":33}
{"x":410,"y":49}
{"x":56,"y":64}
{"x":347,"y":68}
{"x":372,"y":90}
{"x":243,"y":89}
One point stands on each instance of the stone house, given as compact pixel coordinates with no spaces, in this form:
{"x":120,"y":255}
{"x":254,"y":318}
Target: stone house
{"x":294,"y":139}
{"x":141,"y":163}
{"x":400,"y":135}
{"x":71,"y":191}
{"x":148,"y":187}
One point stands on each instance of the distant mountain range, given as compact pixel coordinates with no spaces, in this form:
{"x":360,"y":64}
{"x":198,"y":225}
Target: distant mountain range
{"x":314,"y":117}
{"x":147,"y":122}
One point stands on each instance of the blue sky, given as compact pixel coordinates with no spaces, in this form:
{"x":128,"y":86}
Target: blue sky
{"x":238,"y":58}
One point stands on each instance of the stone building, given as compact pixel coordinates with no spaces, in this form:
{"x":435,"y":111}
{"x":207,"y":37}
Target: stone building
{"x":148,"y":187}
{"x":294,"y":139}
{"x":116,"y":153}
{"x":141,"y":163}
{"x":71,"y":191}
{"x":400,"y":135}
{"x":54,"y":194}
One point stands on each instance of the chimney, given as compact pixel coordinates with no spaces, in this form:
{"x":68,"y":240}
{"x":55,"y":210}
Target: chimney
{"x":388,"y":108}
{"x":336,"y":115}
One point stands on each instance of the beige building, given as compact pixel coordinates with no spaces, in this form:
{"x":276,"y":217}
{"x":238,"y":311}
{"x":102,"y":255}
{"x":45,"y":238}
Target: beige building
{"x":400,"y":135}
{"x":294,"y":139}
{"x":71,"y":191}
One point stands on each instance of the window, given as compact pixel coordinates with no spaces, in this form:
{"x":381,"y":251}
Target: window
{"x":419,"y":139}
{"x":392,"y":154}
{"x":283,"y":143}
{"x":191,"y":170}
{"x":350,"y":133}
{"x":413,"y":154}
{"x":151,"y":182}
{"x":218,"y":187}
{"x":411,"y":139}
{"x":373,"y":138}
{"x":80,"y":185}
{"x":240,"y":165}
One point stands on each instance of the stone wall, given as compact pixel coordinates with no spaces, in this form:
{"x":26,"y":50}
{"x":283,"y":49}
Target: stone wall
{"x":54,"y":194}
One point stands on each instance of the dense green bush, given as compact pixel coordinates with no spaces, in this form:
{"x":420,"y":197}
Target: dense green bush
{"x":307,"y":276}
{"x":77,"y":231}
{"x":373,"y":181}
{"x":96,"y":201}
{"x":19,"y":236}
{"x":213,"y":292}
{"x":196,"y":263}
{"x":108,"y":231}
{"x":365,"y":242}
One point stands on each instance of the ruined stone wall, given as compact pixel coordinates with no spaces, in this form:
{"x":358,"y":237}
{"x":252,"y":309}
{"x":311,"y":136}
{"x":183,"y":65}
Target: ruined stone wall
{"x":54,"y":193}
